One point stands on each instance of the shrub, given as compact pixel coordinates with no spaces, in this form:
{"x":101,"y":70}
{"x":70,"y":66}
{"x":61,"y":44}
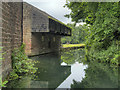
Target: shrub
{"x":21,"y":64}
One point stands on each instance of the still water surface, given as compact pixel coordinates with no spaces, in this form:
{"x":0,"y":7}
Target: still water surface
{"x":59,"y":71}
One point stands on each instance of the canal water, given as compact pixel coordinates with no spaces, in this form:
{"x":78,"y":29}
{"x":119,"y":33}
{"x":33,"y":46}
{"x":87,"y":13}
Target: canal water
{"x":68,"y":69}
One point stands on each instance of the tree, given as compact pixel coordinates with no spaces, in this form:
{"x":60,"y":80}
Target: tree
{"x":104,"y":21}
{"x":78,"y":34}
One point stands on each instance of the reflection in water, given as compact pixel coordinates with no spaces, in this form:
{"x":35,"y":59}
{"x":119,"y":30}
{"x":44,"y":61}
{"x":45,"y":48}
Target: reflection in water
{"x":77,"y":74}
{"x":55,"y":71}
{"x":98,"y":75}
{"x":74,"y":59}
{"x":51,"y":71}
{"x":49,"y":75}
{"x":70,"y":57}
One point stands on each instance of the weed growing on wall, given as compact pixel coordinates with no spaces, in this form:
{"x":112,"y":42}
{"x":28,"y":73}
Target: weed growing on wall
{"x":21,"y":64}
{"x":2,"y":84}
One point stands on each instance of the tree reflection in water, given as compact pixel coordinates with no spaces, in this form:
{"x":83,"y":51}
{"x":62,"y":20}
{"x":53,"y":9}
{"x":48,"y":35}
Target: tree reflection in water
{"x":97,"y":75}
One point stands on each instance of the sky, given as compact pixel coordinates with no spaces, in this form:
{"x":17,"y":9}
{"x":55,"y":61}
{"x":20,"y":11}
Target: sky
{"x":52,"y":7}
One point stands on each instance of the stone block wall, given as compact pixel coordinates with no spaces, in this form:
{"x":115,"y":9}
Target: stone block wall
{"x":11,"y":32}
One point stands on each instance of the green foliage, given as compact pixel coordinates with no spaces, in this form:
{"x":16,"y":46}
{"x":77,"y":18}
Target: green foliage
{"x":105,"y":32}
{"x":102,"y":41}
{"x":103,"y":35}
{"x":21,"y":64}
{"x":110,"y":55}
{"x":2,"y":83}
{"x":78,"y":35}
{"x":82,"y":11}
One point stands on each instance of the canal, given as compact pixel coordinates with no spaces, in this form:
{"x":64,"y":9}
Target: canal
{"x":67,"y":69}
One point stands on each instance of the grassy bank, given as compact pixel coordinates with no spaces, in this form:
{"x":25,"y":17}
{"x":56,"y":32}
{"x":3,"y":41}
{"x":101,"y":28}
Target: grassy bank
{"x":72,"y":45}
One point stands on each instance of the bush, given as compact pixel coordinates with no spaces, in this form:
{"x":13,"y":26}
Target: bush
{"x":110,"y":55}
{"x":21,"y":64}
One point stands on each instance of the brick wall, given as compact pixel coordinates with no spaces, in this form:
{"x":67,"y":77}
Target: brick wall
{"x":11,"y":32}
